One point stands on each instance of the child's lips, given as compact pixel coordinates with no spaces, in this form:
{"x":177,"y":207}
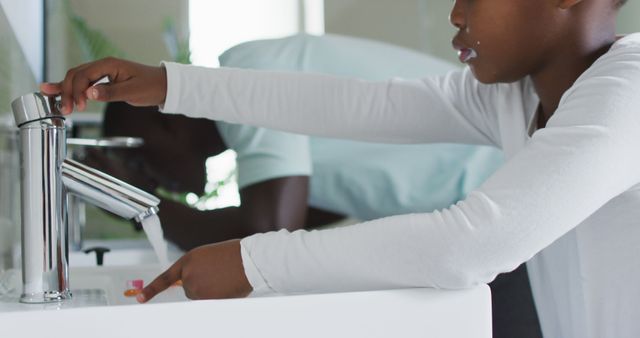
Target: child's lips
{"x":467,"y":54}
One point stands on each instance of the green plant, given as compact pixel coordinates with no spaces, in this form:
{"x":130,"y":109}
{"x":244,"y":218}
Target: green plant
{"x":178,"y":48}
{"x":93,"y":43}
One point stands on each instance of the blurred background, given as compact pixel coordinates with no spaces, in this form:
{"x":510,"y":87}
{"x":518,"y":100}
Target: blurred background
{"x":41,"y":39}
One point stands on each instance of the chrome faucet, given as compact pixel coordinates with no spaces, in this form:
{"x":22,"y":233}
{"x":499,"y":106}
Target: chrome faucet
{"x":75,"y":206}
{"x":47,"y":180}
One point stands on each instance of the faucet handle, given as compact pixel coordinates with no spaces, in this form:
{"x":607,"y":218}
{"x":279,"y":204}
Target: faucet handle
{"x":33,"y":107}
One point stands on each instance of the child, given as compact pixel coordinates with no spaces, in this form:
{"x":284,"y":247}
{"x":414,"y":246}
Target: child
{"x":546,"y":81}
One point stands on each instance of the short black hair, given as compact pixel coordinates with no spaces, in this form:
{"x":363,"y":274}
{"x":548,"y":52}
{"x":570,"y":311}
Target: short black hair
{"x":621,"y":3}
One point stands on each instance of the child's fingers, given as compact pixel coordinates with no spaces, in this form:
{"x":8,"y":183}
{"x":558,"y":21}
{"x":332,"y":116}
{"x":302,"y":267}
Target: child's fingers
{"x":84,"y":78}
{"x":111,"y":91}
{"x":77,"y":80}
{"x":67,"y":100}
{"x":162,"y":282}
{"x":51,"y":89}
{"x":80,"y":81}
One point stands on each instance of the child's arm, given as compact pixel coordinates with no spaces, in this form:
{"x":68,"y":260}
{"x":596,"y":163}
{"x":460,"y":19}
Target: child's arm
{"x":452,"y":108}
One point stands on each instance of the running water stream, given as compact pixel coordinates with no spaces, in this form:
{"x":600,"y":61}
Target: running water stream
{"x":153,"y":230}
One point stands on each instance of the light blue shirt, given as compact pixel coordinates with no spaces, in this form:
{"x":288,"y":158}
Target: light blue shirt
{"x":362,"y":180}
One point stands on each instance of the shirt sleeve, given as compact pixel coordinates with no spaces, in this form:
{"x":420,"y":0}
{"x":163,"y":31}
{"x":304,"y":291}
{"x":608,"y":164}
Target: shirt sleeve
{"x":264,"y":154}
{"x":453,"y":108}
{"x":584,"y":158}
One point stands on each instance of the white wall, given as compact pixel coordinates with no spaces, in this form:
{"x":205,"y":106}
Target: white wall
{"x":419,"y":24}
{"x":629,"y":18}
{"x":217,"y":25}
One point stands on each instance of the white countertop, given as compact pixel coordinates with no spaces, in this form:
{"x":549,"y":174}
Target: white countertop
{"x":393,"y":313}
{"x":390,"y":313}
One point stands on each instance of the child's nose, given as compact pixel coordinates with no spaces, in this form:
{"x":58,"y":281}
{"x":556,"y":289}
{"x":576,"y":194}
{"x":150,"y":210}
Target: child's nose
{"x":456,"y":17}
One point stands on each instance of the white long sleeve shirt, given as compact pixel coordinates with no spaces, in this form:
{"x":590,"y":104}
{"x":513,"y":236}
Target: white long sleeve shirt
{"x":567,"y":200}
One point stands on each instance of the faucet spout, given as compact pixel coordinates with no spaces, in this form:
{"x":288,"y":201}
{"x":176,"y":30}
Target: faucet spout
{"x":107,"y":192}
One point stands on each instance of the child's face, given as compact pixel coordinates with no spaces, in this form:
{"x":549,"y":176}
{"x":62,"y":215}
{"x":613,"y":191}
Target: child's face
{"x":510,"y":39}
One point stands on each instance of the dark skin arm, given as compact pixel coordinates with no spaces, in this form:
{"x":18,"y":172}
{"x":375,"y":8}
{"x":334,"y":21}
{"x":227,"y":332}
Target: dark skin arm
{"x":266,"y":206}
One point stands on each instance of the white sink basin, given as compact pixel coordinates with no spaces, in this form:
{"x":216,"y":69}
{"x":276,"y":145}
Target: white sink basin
{"x":100,"y":309}
{"x":100,"y":286}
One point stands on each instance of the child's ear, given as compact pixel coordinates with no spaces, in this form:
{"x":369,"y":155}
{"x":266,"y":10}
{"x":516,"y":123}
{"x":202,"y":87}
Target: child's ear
{"x":566,"y":4}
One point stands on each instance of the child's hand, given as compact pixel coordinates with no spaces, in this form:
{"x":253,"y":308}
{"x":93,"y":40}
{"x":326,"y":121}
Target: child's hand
{"x":207,"y":272}
{"x":134,"y":83}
